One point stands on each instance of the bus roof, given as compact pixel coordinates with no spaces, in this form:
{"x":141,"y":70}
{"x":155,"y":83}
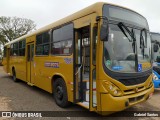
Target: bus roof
{"x":155,"y":33}
{"x":155,"y":37}
{"x":95,"y":8}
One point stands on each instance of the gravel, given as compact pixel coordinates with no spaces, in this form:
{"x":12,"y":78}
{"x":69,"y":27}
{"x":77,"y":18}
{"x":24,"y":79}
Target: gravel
{"x":21,"y":97}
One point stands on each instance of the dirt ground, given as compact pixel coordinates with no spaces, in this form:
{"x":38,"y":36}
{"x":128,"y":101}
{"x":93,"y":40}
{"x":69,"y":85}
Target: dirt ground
{"x":21,"y":97}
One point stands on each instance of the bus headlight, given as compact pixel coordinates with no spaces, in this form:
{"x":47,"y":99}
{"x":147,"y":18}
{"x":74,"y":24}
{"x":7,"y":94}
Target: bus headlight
{"x":110,"y":87}
{"x":114,"y":90}
{"x":155,"y":77}
{"x":150,"y":84}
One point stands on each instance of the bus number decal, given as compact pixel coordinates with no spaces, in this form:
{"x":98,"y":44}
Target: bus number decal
{"x":52,"y":64}
{"x":117,"y":67}
{"x":68,"y":60}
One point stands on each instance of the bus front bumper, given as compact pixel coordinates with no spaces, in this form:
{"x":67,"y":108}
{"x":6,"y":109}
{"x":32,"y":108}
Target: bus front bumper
{"x":111,"y":104}
{"x":156,"y":83}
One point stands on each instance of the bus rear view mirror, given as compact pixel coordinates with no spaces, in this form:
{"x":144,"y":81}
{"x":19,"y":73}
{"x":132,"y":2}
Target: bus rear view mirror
{"x":104,"y":32}
{"x":155,"y":47}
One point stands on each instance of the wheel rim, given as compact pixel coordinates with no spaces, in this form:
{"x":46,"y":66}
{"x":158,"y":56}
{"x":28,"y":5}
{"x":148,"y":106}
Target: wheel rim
{"x":59,"y":92}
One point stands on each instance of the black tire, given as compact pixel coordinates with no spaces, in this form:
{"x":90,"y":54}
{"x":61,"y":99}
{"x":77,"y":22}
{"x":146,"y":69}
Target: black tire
{"x":60,"y":93}
{"x":14,"y":75}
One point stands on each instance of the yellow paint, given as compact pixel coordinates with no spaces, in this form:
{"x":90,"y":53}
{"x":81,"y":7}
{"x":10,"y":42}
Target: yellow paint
{"x":41,"y":76}
{"x":146,"y":65}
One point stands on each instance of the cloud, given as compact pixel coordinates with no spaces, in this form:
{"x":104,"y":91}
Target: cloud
{"x":44,"y":12}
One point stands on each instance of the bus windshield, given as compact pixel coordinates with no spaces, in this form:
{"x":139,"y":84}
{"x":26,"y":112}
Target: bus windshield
{"x":155,"y":37}
{"x":155,"y":40}
{"x":122,"y":54}
{"x":124,"y":15}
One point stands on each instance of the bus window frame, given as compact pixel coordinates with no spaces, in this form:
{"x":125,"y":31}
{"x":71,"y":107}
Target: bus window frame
{"x":12,"y":49}
{"x":22,"y":48}
{"x":59,"y":41}
{"x":49,"y":43}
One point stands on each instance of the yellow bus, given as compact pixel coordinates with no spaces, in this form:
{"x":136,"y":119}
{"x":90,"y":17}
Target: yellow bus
{"x":98,"y":58}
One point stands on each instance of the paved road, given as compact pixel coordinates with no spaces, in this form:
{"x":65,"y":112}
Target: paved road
{"x":21,"y":97}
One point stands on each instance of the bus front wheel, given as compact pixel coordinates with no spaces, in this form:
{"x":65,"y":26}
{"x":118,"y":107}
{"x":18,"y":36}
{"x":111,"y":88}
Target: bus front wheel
{"x":60,"y":93}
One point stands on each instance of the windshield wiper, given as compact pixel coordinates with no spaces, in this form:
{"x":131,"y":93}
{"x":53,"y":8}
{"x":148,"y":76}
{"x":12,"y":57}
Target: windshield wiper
{"x":134,"y":42}
{"x":131,"y":33}
{"x":125,"y":28}
{"x":143,"y":42}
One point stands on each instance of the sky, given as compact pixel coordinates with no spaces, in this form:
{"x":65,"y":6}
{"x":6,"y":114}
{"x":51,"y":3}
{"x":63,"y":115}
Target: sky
{"x":44,"y":12}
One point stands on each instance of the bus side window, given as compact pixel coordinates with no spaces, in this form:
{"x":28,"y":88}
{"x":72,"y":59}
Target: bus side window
{"x":42,"y":43}
{"x":62,"y":40}
{"x":22,"y":45}
{"x":15,"y":49}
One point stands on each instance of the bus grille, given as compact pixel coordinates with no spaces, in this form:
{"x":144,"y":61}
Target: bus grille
{"x":133,"y":81}
{"x":134,"y":99}
{"x":132,"y":91}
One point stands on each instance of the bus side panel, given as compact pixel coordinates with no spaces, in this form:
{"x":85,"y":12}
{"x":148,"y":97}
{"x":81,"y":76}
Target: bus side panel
{"x":21,"y":68}
{"x":6,"y":59}
{"x":19,"y":64}
{"x":4,"y":62}
{"x":12,"y":63}
{"x":47,"y":67}
{"x":41,"y":78}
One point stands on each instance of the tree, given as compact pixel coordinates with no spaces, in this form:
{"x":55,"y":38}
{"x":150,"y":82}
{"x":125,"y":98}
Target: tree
{"x":14,"y":27}
{"x":3,"y":39}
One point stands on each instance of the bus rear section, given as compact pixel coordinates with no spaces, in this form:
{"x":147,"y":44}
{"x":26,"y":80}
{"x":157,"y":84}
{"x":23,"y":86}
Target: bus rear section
{"x":156,"y":58}
{"x":6,"y":59}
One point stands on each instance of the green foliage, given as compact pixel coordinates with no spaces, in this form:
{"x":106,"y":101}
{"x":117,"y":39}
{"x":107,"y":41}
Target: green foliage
{"x":3,"y":40}
{"x":14,"y":27}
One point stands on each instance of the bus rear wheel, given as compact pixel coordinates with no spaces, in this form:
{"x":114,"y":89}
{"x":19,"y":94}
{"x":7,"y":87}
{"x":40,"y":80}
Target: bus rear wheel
{"x":14,"y":75}
{"x":60,"y":93}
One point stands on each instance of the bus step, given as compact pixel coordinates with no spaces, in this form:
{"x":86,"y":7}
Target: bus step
{"x":30,"y":84}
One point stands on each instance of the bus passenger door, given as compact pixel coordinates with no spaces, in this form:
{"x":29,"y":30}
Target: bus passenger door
{"x":84,"y":68}
{"x":30,"y":63}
